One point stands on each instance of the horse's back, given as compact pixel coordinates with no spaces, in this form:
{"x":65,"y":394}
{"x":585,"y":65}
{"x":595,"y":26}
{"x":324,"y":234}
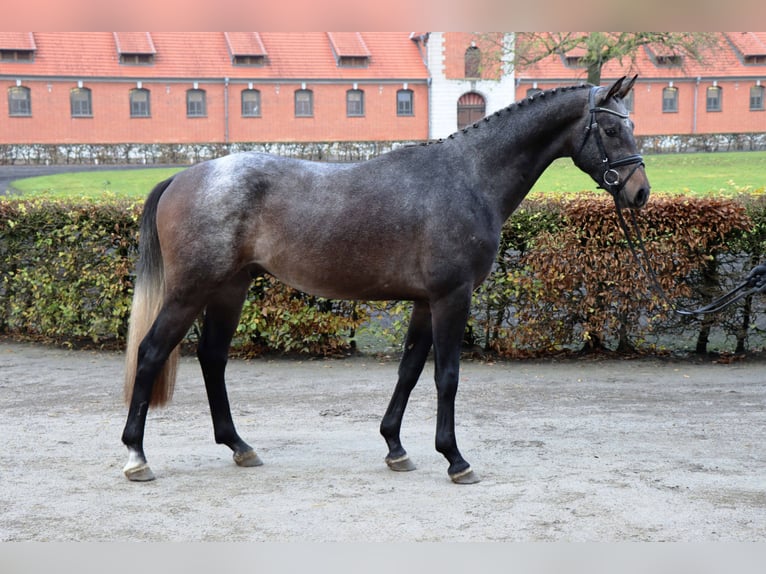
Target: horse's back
{"x":342,"y":230}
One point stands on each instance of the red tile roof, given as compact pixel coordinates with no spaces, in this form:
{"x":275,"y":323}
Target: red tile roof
{"x":720,"y":62}
{"x":200,"y":55}
{"x":307,"y":56}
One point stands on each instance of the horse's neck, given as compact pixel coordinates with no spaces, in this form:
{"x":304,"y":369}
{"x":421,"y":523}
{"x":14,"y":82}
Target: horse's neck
{"x":521,"y":142}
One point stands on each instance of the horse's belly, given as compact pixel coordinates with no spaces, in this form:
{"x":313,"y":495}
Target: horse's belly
{"x":340,"y":274}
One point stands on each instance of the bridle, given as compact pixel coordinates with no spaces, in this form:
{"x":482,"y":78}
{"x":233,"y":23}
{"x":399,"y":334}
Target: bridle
{"x":611,"y":182}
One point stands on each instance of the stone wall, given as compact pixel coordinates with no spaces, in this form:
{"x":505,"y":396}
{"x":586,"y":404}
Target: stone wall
{"x":180,"y":154}
{"x":755,"y":141}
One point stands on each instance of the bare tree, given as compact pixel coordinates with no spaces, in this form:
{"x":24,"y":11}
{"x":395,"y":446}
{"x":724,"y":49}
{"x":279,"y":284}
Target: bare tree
{"x":595,"y":49}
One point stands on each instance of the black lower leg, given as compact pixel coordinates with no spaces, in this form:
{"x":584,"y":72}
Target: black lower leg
{"x":446,"y":441}
{"x":152,"y":355}
{"x":417,"y":345}
{"x":151,"y":359}
{"x":449,"y":319}
{"x":220,"y":322}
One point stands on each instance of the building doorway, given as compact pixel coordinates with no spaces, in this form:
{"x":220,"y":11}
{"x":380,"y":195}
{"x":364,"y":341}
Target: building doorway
{"x":471,"y":107}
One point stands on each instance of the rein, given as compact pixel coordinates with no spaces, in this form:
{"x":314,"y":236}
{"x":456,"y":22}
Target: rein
{"x":613,"y":184}
{"x":741,"y":291}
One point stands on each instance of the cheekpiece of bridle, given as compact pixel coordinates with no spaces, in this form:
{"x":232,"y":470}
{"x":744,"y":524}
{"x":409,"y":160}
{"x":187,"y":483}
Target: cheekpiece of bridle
{"x":613,"y":183}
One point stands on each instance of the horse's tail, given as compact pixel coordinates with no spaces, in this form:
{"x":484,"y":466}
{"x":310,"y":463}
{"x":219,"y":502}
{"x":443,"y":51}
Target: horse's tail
{"x":148,"y":295}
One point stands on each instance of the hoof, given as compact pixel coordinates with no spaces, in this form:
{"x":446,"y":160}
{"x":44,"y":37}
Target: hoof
{"x":140,"y":473}
{"x":401,"y":464}
{"x":466,"y":476}
{"x":247,"y":458}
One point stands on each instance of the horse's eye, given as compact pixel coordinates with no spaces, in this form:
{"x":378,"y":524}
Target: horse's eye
{"x":611,"y":132}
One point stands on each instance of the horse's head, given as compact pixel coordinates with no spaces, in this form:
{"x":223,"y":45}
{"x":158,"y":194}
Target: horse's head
{"x":608,"y":151}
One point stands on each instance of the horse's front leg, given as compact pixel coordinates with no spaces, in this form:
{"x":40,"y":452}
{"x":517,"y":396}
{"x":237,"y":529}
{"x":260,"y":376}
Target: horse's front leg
{"x":449,"y":317}
{"x":416,"y":347}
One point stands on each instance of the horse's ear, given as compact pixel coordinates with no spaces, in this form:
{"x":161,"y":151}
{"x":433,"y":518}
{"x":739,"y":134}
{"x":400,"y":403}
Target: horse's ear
{"x":625,"y":90}
{"x":613,"y":90}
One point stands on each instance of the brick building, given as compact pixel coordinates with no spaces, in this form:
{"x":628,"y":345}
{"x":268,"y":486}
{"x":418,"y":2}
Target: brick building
{"x":676,"y":95}
{"x":112,"y":88}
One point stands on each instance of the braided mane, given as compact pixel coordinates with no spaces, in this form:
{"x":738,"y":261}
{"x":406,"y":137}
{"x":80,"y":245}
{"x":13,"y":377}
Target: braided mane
{"x":515,"y":106}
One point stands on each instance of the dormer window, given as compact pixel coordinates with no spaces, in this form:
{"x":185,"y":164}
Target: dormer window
{"x":669,"y":60}
{"x":353,"y":61}
{"x":246,"y":48}
{"x":135,"y":48}
{"x":137,"y":59}
{"x":17,"y":47}
{"x":750,"y":47}
{"x":664,"y":57}
{"x":574,"y":58}
{"x":17,"y":55}
{"x":349,"y":49}
{"x":254,"y":60}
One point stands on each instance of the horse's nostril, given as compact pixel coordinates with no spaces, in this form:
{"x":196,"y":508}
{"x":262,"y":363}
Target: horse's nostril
{"x":642,"y":196}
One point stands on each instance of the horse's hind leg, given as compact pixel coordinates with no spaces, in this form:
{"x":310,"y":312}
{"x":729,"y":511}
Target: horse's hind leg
{"x":220,"y":323}
{"x":166,"y":333}
{"x":416,"y":347}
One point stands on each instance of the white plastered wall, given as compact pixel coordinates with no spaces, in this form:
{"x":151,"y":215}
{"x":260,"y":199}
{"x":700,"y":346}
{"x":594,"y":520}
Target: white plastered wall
{"x":444,"y":93}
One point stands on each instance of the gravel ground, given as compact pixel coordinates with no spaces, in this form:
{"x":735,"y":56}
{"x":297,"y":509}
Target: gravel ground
{"x":588,"y":450}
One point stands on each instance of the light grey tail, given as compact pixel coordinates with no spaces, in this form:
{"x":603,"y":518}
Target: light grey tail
{"x":148,"y":296}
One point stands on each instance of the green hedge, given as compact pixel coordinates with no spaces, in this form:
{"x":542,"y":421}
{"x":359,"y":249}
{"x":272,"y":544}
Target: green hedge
{"x":564,"y":280}
{"x":67,"y":267}
{"x":577,"y":285}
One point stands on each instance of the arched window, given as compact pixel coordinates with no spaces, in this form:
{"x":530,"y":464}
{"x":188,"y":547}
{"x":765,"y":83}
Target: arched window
{"x":713,"y":99}
{"x":472,"y":62}
{"x":471,"y":107}
{"x":251,"y":103}
{"x":756,"y":98}
{"x":354,"y":103}
{"x":139,"y":103}
{"x":304,"y":103}
{"x":19,"y":101}
{"x":670,"y":99}
{"x":81,"y":103}
{"x":404,"y":103}
{"x":629,"y":101}
{"x":196,"y":103}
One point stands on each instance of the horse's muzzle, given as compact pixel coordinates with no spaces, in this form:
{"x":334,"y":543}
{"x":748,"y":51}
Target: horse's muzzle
{"x":635,"y":190}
